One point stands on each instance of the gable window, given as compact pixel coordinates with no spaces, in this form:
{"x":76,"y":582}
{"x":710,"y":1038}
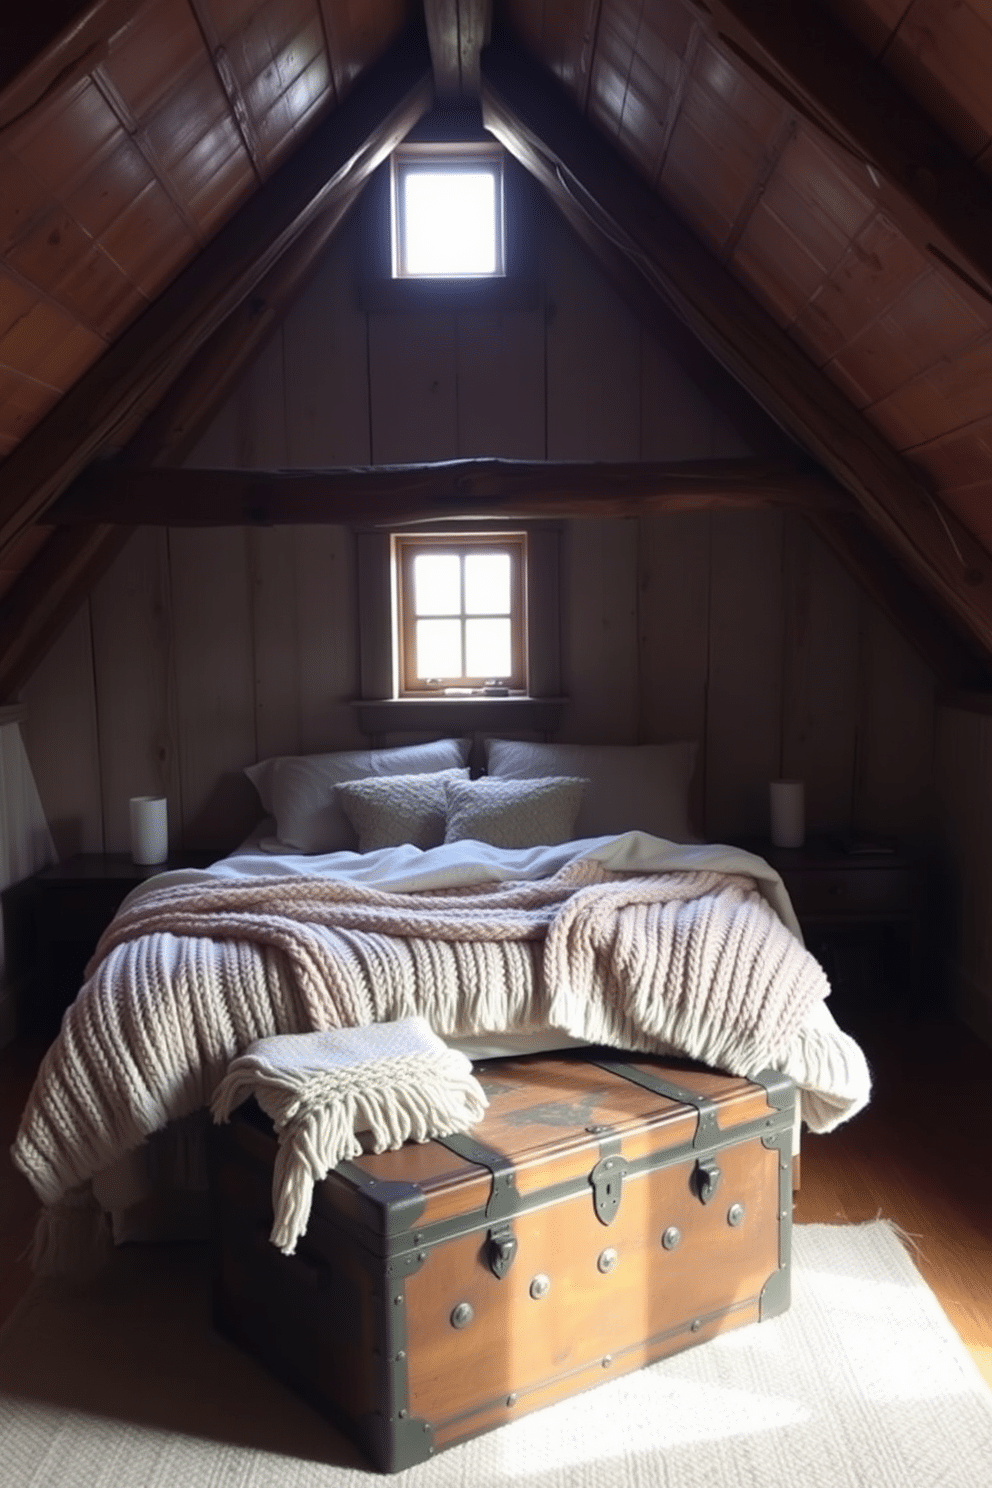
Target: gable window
{"x":460,"y":613}
{"x":447,"y":211}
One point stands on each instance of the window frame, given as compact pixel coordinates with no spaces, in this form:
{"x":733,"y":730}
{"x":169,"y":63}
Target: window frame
{"x":405,"y":548}
{"x":453,"y":157}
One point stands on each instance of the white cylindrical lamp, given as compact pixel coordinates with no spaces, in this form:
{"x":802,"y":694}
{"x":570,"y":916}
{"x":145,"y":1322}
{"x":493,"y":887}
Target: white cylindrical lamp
{"x":787,"y":804}
{"x":149,"y":829}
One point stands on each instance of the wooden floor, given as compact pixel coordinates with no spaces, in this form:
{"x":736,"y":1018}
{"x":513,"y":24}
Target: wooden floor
{"x":921,"y":1155}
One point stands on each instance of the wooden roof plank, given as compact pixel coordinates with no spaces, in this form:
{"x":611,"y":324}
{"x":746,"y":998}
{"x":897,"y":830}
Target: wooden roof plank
{"x":457,"y":30}
{"x":538,"y":124}
{"x":110,"y":401}
{"x":939,"y":197}
{"x":49,"y":43}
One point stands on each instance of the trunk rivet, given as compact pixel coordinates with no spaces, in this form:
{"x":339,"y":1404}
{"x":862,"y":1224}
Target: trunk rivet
{"x":607,"y":1260}
{"x":735,"y":1215}
{"x":511,"y":1399}
{"x":607,"y":1360}
{"x":671,"y":1237}
{"x":540,"y":1286}
{"x":695,"y":1325}
{"x":462,"y":1315}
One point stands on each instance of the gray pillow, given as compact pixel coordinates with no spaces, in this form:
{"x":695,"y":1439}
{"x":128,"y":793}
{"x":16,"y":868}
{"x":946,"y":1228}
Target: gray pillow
{"x":300,"y":791}
{"x":632,"y":787}
{"x":513,"y":813}
{"x":388,"y":810}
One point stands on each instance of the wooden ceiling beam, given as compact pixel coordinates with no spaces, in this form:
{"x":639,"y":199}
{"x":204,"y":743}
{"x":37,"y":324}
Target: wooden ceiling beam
{"x":920,"y":176}
{"x":536,"y":121}
{"x":456,"y":489}
{"x":110,"y":401}
{"x":457,"y":30}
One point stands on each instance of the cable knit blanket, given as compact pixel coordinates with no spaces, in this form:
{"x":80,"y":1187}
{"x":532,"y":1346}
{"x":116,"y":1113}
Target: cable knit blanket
{"x":693,"y":960}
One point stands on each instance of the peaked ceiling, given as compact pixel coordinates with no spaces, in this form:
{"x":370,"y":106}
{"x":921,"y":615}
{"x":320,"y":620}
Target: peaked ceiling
{"x":806,"y":188}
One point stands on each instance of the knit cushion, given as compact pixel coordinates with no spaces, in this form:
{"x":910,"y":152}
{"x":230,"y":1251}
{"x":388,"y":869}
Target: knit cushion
{"x":392,"y":809}
{"x":513,"y":813}
{"x":300,"y":791}
{"x":636,"y":787}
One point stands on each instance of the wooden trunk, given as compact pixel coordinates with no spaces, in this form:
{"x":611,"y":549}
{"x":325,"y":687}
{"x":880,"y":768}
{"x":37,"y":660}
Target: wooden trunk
{"x":609,"y":1210}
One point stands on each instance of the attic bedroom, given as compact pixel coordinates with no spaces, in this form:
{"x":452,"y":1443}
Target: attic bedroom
{"x":733,"y":386}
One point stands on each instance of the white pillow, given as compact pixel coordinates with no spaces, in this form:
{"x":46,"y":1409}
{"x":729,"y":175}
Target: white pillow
{"x":387,"y":810}
{"x":300,"y":790}
{"x":513,"y":813}
{"x":631,"y":786}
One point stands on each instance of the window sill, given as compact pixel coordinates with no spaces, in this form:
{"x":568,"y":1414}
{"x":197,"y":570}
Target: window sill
{"x":484,"y":293}
{"x":459,"y":715}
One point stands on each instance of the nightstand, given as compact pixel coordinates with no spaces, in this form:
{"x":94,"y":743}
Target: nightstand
{"x":860,"y":909}
{"x":74,"y":901}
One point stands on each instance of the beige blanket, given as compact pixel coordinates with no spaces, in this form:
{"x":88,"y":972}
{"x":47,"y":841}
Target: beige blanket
{"x":188,"y":976}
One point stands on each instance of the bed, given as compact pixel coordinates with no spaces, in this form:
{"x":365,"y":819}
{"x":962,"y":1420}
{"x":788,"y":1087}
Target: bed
{"x":562,"y":898}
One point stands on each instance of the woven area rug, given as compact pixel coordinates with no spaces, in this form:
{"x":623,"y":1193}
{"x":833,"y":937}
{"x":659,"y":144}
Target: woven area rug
{"x":863,"y":1382}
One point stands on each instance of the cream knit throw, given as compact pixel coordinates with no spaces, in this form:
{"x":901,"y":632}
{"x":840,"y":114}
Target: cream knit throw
{"x":187,"y":977}
{"x":396,"y":1081}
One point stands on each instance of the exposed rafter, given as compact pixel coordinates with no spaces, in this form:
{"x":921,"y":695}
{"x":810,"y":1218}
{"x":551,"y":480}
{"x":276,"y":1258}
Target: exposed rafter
{"x":49,"y":43}
{"x":110,"y":401}
{"x":602,"y":198}
{"x":457,"y":31}
{"x":942,"y":202}
{"x":464,"y":489}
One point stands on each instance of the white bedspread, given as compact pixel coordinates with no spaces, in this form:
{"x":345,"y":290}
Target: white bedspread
{"x":153,"y":1030}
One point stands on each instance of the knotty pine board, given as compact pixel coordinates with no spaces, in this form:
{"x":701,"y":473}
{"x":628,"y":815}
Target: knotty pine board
{"x":413,"y":386}
{"x":275,"y":640}
{"x":673,"y":605}
{"x":327,"y":626}
{"x":326,"y":367}
{"x":136,"y":685}
{"x":61,"y":739}
{"x":211,"y":605}
{"x":599,"y":631}
{"x":893,"y":789}
{"x":744,"y":680}
{"x":593,"y":360}
{"x":820,"y":672}
{"x":963,"y":790}
{"x":500,"y":383}
{"x":677,"y":420}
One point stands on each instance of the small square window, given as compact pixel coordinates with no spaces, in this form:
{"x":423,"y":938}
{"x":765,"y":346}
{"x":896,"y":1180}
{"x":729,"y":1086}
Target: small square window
{"x":447,"y":212}
{"x":460,"y":612}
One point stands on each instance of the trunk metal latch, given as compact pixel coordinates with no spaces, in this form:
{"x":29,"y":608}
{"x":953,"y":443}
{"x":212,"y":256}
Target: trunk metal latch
{"x":607,"y":1186}
{"x":707,"y":1179}
{"x":501,"y":1249}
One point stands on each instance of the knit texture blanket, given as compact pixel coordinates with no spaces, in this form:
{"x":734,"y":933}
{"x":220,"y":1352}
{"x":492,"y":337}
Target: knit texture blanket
{"x":189,"y":975}
{"x":394,"y":1082}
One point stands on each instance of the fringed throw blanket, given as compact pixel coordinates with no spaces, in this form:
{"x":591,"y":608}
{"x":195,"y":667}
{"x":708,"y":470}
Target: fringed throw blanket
{"x":188,"y":976}
{"x":393,"y":1082}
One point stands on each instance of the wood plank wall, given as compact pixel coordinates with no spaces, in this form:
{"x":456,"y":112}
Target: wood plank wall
{"x":963,"y":779}
{"x":202,"y":651}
